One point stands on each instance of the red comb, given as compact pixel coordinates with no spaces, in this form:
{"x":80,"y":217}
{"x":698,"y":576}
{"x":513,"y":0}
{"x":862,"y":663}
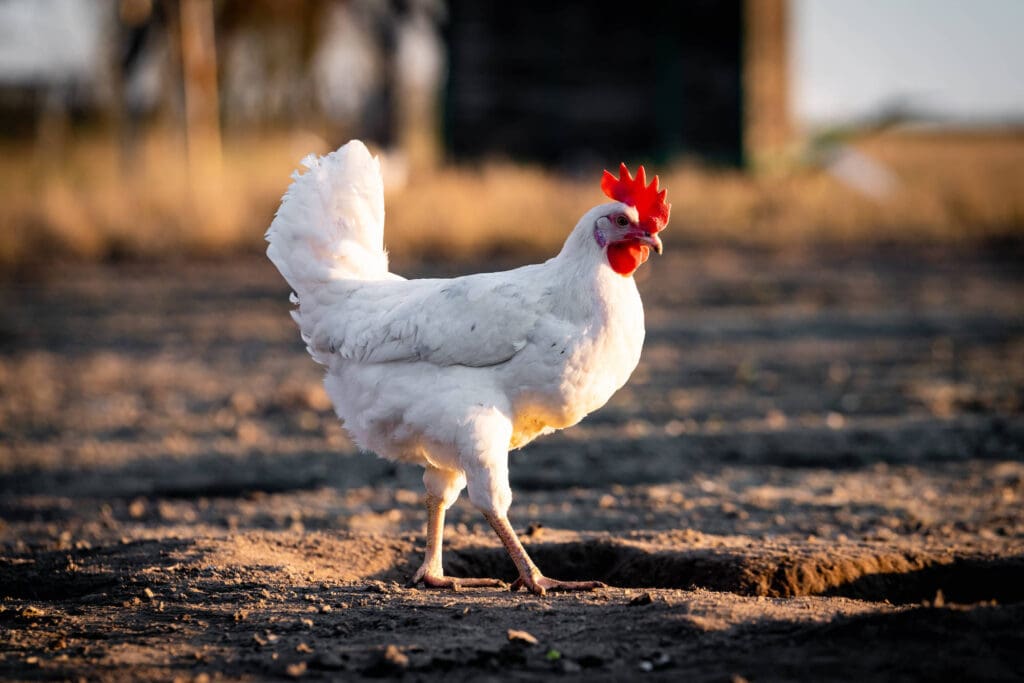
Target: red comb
{"x":649,"y":203}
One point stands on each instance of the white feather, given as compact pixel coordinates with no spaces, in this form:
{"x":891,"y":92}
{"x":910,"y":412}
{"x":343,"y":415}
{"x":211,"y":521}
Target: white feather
{"x":331,"y":221}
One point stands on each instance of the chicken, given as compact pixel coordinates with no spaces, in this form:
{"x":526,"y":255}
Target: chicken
{"x":452,"y":374}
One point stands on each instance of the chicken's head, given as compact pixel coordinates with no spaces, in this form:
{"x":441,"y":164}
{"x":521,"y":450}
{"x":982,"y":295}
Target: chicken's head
{"x":631,"y":230}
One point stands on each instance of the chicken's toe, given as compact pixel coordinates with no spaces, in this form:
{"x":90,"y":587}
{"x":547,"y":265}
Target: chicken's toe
{"x":540,"y":585}
{"x":431,"y":580}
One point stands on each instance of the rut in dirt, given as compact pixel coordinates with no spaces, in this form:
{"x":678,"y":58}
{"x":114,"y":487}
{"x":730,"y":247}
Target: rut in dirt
{"x":894,"y":577}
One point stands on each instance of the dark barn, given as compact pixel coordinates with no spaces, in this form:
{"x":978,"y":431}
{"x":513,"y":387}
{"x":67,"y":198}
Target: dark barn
{"x":565,"y":83}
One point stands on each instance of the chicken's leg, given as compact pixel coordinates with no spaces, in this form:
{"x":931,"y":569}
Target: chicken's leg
{"x":431,"y":574}
{"x":529,"y":576}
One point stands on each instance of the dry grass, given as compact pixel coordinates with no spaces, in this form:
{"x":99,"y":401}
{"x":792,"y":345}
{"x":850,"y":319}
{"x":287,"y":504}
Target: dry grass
{"x":84,"y":202}
{"x":87,"y":202}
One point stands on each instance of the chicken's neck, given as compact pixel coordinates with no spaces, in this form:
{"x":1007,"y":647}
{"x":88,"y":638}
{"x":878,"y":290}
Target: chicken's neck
{"x":583,"y":277}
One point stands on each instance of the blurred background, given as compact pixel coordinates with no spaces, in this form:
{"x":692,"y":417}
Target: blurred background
{"x":146,"y":129}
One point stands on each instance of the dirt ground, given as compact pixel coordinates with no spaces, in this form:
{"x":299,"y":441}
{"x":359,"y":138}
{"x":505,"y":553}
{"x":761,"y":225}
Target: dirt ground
{"x":817,"y":472}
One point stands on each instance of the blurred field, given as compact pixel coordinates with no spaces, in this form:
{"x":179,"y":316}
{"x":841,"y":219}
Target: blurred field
{"x":84,"y":200}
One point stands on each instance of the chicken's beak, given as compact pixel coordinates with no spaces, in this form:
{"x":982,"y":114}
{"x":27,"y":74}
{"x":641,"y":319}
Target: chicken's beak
{"x":652,"y":240}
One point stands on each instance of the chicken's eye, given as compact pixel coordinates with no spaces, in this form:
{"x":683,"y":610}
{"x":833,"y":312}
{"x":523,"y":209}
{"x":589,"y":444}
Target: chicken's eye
{"x":621,"y":221}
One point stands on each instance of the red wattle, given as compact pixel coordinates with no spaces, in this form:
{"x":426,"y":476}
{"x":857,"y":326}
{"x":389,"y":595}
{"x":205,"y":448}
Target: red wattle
{"x":626,"y":257}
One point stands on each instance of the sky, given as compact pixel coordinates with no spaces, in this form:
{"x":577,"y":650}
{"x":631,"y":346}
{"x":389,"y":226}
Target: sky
{"x":958,"y":58}
{"x":49,"y":39}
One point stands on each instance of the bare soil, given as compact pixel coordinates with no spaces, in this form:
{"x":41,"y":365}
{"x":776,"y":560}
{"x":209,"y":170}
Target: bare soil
{"x":817,"y":472}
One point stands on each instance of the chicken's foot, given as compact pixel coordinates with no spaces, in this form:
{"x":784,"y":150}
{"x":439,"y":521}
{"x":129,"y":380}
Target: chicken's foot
{"x":529,"y":576}
{"x":431,"y":574}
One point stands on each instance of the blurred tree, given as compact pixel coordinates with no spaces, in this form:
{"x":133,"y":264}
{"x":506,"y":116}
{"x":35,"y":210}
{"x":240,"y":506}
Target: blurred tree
{"x":199,"y":71}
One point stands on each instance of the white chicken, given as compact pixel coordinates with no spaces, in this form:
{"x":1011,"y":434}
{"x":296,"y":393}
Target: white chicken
{"x":452,"y":374}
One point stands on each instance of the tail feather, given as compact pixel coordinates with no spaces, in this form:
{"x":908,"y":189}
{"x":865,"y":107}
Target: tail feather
{"x":330,"y":227}
{"x":330,"y":224}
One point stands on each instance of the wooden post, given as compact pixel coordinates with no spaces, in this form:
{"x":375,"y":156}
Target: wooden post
{"x":767,"y":127}
{"x":199,"y":73}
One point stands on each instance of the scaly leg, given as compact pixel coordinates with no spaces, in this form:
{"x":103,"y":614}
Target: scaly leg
{"x":431,"y":574}
{"x":529,"y":576}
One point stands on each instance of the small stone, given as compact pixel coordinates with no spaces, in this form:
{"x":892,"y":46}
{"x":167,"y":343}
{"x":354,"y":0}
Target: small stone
{"x":515,"y":636}
{"x":776,"y":419}
{"x":296,"y":670}
{"x":137,"y":508}
{"x":303,"y":648}
{"x":148,"y":594}
{"x":32,"y":612}
{"x":644,"y":598}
